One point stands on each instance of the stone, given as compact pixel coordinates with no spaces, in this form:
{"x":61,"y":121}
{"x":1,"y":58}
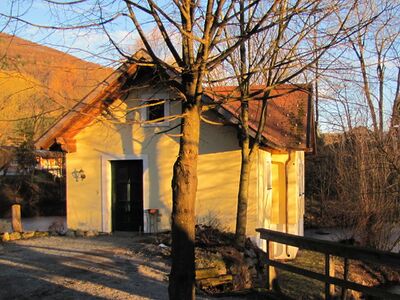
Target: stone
{"x":250,"y":253}
{"x":253,"y":272}
{"x":5,"y":226}
{"x":215,"y":281}
{"x":209,"y":273}
{"x":207,"y":259}
{"x":250,"y":262}
{"x":91,"y":233}
{"x":102,"y":233}
{"x":28,"y":234}
{"x":62,"y":232}
{"x":15,"y":236}
{"x":234,"y":269}
{"x":79,"y":233}
{"x":57,"y":228}
{"x":41,"y":234}
{"x":5,"y":237}
{"x":70,"y":233}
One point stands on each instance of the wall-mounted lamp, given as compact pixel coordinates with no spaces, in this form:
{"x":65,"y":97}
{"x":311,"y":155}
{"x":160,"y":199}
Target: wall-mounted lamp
{"x":78,"y":175}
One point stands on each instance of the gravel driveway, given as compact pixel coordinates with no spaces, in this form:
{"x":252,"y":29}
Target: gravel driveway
{"x":80,"y":268}
{"x":105,"y":267}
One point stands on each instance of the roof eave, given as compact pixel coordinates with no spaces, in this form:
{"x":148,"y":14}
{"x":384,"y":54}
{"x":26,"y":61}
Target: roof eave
{"x":86,"y":110}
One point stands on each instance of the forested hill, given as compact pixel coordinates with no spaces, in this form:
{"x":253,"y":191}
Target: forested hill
{"x":37,"y":83}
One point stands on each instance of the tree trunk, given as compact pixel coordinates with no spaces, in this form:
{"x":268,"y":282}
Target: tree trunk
{"x":184,"y":187}
{"x":395,"y":118}
{"x":366,"y":86}
{"x":243,"y":196}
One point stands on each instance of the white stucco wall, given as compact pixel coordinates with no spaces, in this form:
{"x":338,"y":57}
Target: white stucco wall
{"x":125,"y":137}
{"x":88,"y":204}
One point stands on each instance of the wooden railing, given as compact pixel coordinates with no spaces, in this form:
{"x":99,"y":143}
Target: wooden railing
{"x":330,"y":249}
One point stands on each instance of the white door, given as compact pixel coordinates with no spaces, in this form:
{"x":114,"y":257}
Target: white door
{"x":264,"y":194}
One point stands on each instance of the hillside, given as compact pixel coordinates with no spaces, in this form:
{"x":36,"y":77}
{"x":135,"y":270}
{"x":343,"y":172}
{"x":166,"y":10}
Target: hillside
{"x":37,"y":83}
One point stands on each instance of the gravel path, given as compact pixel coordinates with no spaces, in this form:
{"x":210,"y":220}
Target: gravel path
{"x":106,"y":267}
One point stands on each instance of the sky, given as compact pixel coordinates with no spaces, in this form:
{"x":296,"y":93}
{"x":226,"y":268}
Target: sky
{"x":89,"y":43}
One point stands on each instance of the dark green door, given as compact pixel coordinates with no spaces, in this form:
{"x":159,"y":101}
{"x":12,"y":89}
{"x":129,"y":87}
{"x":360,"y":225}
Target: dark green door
{"x":127,"y":195}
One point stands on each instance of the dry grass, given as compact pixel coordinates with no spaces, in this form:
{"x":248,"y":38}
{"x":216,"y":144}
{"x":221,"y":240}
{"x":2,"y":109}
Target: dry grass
{"x":301,"y":287}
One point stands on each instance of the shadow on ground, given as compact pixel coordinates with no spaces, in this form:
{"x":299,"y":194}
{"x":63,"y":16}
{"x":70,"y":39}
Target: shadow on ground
{"x":69,"y":268}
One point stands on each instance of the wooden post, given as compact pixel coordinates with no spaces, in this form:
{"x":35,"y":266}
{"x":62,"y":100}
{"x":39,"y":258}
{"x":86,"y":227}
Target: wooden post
{"x":271,"y":272}
{"x":16,"y":218}
{"x":329,"y":271}
{"x":345,"y":277}
{"x":268,"y":267}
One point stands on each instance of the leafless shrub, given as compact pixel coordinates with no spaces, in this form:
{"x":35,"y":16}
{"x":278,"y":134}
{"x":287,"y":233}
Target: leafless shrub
{"x":365,"y":185}
{"x":213,"y":220}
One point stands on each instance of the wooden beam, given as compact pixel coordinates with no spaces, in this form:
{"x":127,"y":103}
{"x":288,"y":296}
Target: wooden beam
{"x":88,"y":108}
{"x":336,"y":281}
{"x":332,"y":248}
{"x":345,"y":277}
{"x":329,"y":272}
{"x":68,"y":145}
{"x":16,"y":218}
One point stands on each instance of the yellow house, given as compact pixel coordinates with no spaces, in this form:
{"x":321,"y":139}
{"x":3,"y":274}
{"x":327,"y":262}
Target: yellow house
{"x":122,"y":139}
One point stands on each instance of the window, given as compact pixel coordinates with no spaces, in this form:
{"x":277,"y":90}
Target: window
{"x":155,"y":110}
{"x":154,"y":113}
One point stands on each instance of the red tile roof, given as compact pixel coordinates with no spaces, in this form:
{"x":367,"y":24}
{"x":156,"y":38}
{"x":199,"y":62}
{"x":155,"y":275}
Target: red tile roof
{"x":290,"y":121}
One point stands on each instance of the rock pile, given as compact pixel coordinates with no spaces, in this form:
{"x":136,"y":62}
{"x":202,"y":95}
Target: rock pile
{"x":82,"y":233}
{"x":221,"y":266}
{"x":56,"y":229}
{"x":13,"y":236}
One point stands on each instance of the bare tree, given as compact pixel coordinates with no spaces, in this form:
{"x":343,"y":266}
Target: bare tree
{"x":281,"y":54}
{"x":376,"y":49}
{"x":200,"y":29}
{"x":201,"y":45}
{"x":361,"y":89}
{"x":395,"y":117}
{"x":199,"y":26}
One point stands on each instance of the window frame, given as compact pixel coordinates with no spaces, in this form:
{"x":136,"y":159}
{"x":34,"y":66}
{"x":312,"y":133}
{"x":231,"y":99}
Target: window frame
{"x":145,"y":114}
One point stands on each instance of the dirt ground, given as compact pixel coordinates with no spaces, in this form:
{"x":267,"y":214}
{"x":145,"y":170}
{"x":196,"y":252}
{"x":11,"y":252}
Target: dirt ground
{"x":104,"y":267}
